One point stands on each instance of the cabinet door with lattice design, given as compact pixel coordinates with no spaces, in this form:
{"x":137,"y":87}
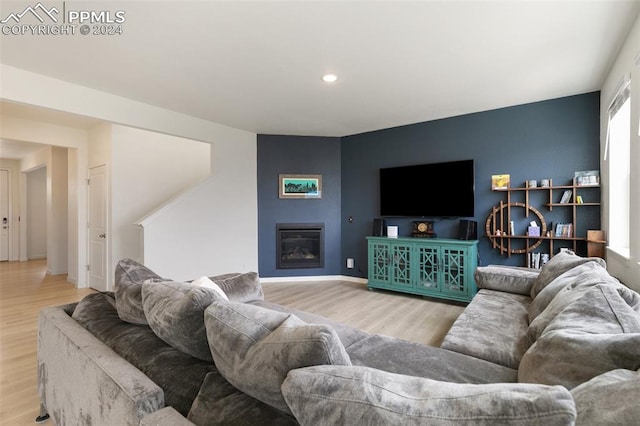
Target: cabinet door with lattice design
{"x":454,"y":270}
{"x":427,"y":265}
{"x":380,"y":261}
{"x":401,"y":264}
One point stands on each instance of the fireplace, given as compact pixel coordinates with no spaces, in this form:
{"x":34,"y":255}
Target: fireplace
{"x":299,"y":245}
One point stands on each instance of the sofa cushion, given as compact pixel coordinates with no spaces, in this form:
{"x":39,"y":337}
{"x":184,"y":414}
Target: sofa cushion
{"x":364,"y":396}
{"x":219,"y":403}
{"x":129,"y":277}
{"x":415,"y":359}
{"x":492,"y":327}
{"x":608,"y":399}
{"x":175,"y":312}
{"x":561,"y":292}
{"x":254,"y":348}
{"x":557,"y":266}
{"x":178,"y":374}
{"x":505,"y":278}
{"x":596,"y":333}
{"x":241,"y":288}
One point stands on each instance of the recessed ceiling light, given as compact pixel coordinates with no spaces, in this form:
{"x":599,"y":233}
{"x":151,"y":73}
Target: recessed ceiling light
{"x":329,"y":78}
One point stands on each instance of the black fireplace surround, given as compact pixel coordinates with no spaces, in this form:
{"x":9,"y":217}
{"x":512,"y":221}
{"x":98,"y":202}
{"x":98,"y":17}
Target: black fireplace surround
{"x":299,"y":245}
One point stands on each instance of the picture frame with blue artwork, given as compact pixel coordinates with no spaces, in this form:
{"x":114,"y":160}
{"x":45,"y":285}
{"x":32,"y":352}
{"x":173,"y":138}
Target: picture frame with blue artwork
{"x":300,"y":186}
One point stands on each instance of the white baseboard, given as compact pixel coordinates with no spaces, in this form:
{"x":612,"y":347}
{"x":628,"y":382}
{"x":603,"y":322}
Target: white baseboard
{"x":313,"y":278}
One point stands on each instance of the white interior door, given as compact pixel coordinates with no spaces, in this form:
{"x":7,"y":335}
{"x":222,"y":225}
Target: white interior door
{"x":4,"y":215}
{"x":98,"y":228}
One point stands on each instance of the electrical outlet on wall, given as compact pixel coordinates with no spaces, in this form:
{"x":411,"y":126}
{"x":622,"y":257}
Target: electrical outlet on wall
{"x":350,"y":263}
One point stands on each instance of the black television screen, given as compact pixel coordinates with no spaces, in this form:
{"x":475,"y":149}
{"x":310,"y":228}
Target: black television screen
{"x":428,"y":190}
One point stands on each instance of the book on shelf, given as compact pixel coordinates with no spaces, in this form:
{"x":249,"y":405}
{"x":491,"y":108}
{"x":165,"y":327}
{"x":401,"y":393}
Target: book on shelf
{"x":536,"y":260}
{"x":564,"y":230}
{"x":579,"y":199}
{"x":566,"y":197}
{"x":500,"y":182}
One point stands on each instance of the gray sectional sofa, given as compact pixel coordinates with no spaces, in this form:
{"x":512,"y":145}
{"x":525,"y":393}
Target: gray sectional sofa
{"x":558,"y":347}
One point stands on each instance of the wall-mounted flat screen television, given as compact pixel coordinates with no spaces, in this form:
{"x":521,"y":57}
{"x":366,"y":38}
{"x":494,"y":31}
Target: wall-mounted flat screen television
{"x":428,"y":190}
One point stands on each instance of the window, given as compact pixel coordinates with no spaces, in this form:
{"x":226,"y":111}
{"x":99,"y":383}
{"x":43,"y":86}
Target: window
{"x":619,"y":147}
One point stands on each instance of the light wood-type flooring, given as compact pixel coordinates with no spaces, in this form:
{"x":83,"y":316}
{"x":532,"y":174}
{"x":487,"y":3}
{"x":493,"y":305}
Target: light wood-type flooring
{"x":25,"y":288}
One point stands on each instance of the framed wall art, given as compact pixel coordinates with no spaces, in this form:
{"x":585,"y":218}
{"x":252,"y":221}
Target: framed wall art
{"x":300,"y":186}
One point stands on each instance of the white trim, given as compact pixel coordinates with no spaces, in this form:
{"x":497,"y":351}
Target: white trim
{"x":621,"y":254}
{"x":313,"y":278}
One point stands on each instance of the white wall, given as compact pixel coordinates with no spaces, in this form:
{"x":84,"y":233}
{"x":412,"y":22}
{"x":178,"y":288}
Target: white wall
{"x":57,"y":219}
{"x":194,"y":229}
{"x":233,"y":153}
{"x":54,"y":159}
{"x":626,"y":63}
{"x":147,"y":170}
{"x":36,"y":214}
{"x":13,"y":166}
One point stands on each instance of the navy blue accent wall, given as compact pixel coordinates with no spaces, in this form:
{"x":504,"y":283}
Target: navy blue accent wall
{"x":298,"y":155}
{"x":548,"y":139}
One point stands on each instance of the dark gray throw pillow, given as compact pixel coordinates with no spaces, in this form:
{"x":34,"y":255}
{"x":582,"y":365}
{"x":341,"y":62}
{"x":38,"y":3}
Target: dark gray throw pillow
{"x":596,"y":333}
{"x":558,"y":265}
{"x":175,"y":312}
{"x":254,"y":348}
{"x":336,"y":395}
{"x":241,"y":288}
{"x":129,"y":277}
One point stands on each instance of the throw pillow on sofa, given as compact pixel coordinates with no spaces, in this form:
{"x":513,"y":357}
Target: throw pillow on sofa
{"x":608,"y":399}
{"x":241,"y":288}
{"x":561,"y":292}
{"x":254,"y":348}
{"x":508,"y":279}
{"x":367,"y":396}
{"x":175,"y":312}
{"x":558,"y":265}
{"x":129,"y":277}
{"x":207,"y":283}
{"x":596,"y":333}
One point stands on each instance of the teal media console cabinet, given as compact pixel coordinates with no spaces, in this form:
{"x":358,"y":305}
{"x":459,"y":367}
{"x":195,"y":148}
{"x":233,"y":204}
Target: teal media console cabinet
{"x":431,"y":267}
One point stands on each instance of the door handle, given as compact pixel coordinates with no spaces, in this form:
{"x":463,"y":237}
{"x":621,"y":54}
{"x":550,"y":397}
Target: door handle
{"x":102,"y":236}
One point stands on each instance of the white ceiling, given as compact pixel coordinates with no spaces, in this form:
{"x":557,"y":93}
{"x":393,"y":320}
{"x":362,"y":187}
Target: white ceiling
{"x":257,"y":65}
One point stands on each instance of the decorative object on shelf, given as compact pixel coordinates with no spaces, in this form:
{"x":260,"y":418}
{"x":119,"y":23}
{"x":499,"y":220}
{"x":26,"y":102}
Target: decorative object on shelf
{"x":544,"y":183}
{"x":423,"y":229}
{"x":500,"y":182}
{"x":300,"y":186}
{"x":532,"y":183}
{"x":596,"y":243}
{"x":587,"y":178}
{"x":392,"y":231}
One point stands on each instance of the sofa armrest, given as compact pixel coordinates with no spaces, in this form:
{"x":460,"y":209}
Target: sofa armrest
{"x":83,"y":381}
{"x":506,"y":278}
{"x":166,"y":416}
